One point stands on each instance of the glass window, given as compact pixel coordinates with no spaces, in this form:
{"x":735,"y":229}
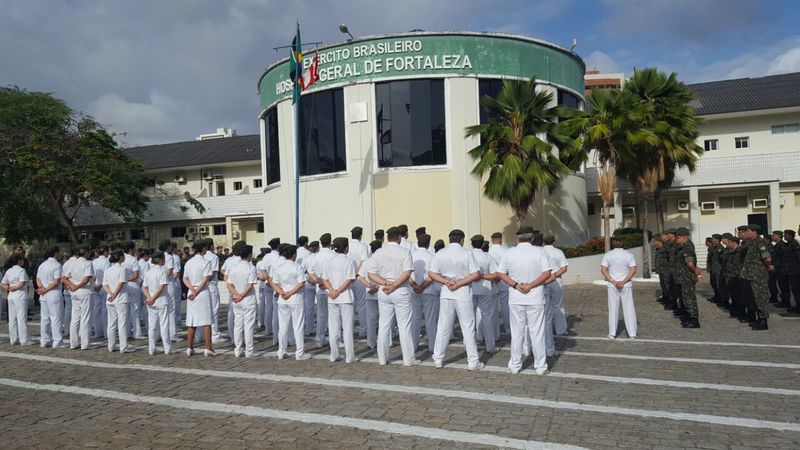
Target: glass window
{"x":220,"y":188}
{"x":742,"y":142}
{"x":237,"y":186}
{"x":711,"y":144}
{"x":410,"y":123}
{"x":591,"y":208}
{"x":791,"y":128}
{"x":273,"y":150}
{"x":568,"y":99}
{"x":733,"y":202}
{"x":322,"y":133}
{"x":257,"y":183}
{"x":137,"y":233}
{"x":178,"y":232}
{"x":260,"y":227}
{"x":220,"y":229}
{"x":489,"y":87}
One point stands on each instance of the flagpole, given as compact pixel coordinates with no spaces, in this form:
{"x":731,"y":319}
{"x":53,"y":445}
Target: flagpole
{"x":297,"y":167}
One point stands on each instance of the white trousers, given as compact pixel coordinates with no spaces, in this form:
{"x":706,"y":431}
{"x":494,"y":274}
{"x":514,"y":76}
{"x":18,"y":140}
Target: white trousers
{"x":99,"y":314}
{"x":340,"y":317}
{"x":322,"y":317}
{"x":276,"y":320}
{"x":555,"y":295}
{"x":397,"y":305}
{"x":360,"y":306}
{"x":372,"y":322}
{"x":502,"y":299}
{"x":269,"y":312}
{"x":244,"y":324}
{"x":80,"y":326}
{"x":50,"y":321}
{"x":260,"y":309}
{"x":135,"y":305}
{"x":18,"y":320}
{"x":310,"y":299}
{"x":449,"y":309}
{"x":117,"y":323}
{"x":213,"y":292}
{"x":173,"y":306}
{"x":158,"y":325}
{"x":291,"y":314}
{"x":426,"y":305}
{"x":625,"y":297}
{"x":486,"y":305}
{"x":527,"y":319}
{"x":549,"y":339}
{"x":66,"y":312}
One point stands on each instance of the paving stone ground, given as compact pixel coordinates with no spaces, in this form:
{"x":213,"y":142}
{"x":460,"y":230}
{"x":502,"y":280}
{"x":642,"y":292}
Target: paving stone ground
{"x":93,"y":398}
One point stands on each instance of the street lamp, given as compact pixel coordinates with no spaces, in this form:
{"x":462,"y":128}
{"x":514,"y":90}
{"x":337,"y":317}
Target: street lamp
{"x":343,"y":29}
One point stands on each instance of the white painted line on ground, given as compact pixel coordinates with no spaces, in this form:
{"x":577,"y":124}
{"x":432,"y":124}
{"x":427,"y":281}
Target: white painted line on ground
{"x":687,"y":360}
{"x":421,"y":390}
{"x":665,"y":341}
{"x":323,"y":419}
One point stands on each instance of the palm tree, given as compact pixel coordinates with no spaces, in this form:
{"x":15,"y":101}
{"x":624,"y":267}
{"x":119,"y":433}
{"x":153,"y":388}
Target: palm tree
{"x":517,"y":145}
{"x":671,"y":128}
{"x":603,"y":134}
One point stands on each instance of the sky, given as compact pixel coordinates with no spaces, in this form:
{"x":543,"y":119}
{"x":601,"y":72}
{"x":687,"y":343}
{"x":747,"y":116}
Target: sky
{"x":157,"y":71}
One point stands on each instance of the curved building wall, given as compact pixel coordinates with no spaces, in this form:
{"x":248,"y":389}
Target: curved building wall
{"x":431,"y":188}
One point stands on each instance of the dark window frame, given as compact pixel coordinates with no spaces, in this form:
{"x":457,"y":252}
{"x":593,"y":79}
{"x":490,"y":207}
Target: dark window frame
{"x":741,"y":142}
{"x":260,"y":227}
{"x":273,"y":151}
{"x":178,"y":232}
{"x":221,"y":227}
{"x":258,"y":183}
{"x":708,"y":143}
{"x":238,"y":185}
{"x":323,"y":149}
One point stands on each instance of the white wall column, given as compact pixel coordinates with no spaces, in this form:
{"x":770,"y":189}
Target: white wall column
{"x":618,"y":222}
{"x":694,"y":214}
{"x":774,"y":207}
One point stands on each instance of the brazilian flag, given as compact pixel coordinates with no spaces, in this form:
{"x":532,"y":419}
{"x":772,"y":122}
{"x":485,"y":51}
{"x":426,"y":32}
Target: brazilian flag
{"x":296,"y":66}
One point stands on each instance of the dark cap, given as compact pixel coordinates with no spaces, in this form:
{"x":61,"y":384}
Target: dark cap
{"x":716,"y":236}
{"x":669,"y":231}
{"x":525,"y":229}
{"x":420,"y":230}
{"x":356,"y":230}
{"x":424,"y":240}
{"x":741,"y":227}
{"x":682,"y":232}
{"x":497,"y":235}
{"x":379,"y":234}
{"x":708,"y":239}
{"x":341,"y":243}
{"x":754,"y":227}
{"x":477,"y":237}
{"x":728,"y":236}
{"x":245,"y":250}
{"x":325,"y":239}
{"x":274,"y":242}
{"x":789,"y":232}
{"x":778,"y":232}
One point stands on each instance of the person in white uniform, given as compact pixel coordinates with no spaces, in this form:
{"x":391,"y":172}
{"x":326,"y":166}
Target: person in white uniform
{"x":288,"y":282}
{"x":456,"y":269}
{"x":165,"y":248}
{"x":526,"y":268}
{"x":144,"y":266}
{"x":230,"y":263}
{"x":404,"y":242}
{"x":306,"y":260}
{"x":338,"y":275}
{"x":500,"y":289}
{"x":99,"y":315}
{"x":425,"y":297}
{"x":618,"y":268}
{"x":156,"y":301}
{"x":115,"y":281}
{"x":241,"y":281}
{"x":359,"y":252}
{"x":48,"y":281}
{"x":261,"y":308}
{"x":134,"y":290}
{"x":66,"y":315}
{"x":391,"y":269}
{"x":213,"y":291}
{"x":15,"y":283}
{"x":175,"y":283}
{"x":78,"y":280}
{"x":196,"y":276}
{"x":483,"y":301}
{"x":270,"y":302}
{"x":314,"y":274}
{"x":371,"y":297}
{"x":553,"y":291}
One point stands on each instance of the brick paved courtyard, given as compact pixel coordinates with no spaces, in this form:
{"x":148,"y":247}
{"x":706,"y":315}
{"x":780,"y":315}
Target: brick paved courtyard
{"x":720,"y":386}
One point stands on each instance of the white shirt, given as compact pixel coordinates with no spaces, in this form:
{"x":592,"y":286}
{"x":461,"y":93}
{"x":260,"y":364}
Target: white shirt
{"x":406,"y":244}
{"x":619,"y":261}
{"x":261,"y":266}
{"x":176,"y":269}
{"x":287,"y":276}
{"x":196,"y":269}
{"x":153,"y":280}
{"x":364,"y":272}
{"x":169,"y":264}
{"x":49,"y":271}
{"x":13,"y":277}
{"x":486,"y":266}
{"x":213,"y":261}
{"x":319,"y":262}
{"x":78,"y":270}
{"x":100,"y":265}
{"x":65,"y":269}
{"x":337,"y":270}
{"x":497,"y":251}
{"x":358,"y":252}
{"x":454,"y":262}
{"x":240,"y":276}
{"x":306,"y":264}
{"x":525,"y":263}
{"x":144,"y":266}
{"x":302,"y":253}
{"x":131,"y":265}
{"x":113,"y":276}
{"x":557,"y":259}
{"x":422,"y":260}
{"x":390,"y":262}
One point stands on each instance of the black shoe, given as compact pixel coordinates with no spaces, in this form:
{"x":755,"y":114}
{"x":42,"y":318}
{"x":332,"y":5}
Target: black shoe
{"x":679,"y":313}
{"x":760,"y":324}
{"x":783,"y":304}
{"x":692,"y":322}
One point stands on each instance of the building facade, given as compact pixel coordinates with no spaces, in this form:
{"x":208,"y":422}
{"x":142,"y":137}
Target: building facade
{"x":382,"y":135}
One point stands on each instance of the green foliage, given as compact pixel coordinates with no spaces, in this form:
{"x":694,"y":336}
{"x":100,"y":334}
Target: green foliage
{"x":54,"y":162}
{"x":517,"y":149}
{"x":596,"y":246}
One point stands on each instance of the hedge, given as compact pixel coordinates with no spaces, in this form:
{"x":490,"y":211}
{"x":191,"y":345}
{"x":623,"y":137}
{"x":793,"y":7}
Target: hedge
{"x":596,"y":246}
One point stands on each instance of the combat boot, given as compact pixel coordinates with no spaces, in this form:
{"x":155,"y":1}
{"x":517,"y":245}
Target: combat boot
{"x":760,"y":324}
{"x":691,"y":322}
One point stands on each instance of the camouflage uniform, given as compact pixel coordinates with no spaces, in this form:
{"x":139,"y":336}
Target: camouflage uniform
{"x":776,"y":282}
{"x":791,"y":268}
{"x":659,"y":268}
{"x":733,"y":267}
{"x":754,"y":271}
{"x":717,"y":280}
{"x":686,"y":278}
{"x":670,"y":253}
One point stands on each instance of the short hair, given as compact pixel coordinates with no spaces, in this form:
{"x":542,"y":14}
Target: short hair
{"x":157,"y":257}
{"x":16,"y":259}
{"x":393,"y":233}
{"x":116,"y":256}
{"x":325,"y":240}
{"x":424,"y":240}
{"x":379,"y":234}
{"x":340,"y":244}
{"x":456,"y":235}
{"x":314,"y":245}
{"x":128,"y":246}
{"x":549,"y":239}
{"x":51,"y":252}
{"x":438,"y":245}
{"x":288,"y":251}
{"x":356,"y":233}
{"x":245,"y":251}
{"x":477,"y":241}
{"x":538,"y":239}
{"x":199,"y":246}
{"x":163,"y":245}
{"x":302,"y":241}
{"x":617,"y":243}
{"x":375,"y":245}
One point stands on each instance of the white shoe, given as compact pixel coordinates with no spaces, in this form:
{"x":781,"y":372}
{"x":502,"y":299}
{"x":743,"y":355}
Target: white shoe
{"x":151,"y":353}
{"x":438,"y":364}
{"x":209,"y":353}
{"x":219,"y":339}
{"x":333,"y":360}
{"x":167,"y":352}
{"x":513,"y":371}
{"x":26,"y":343}
{"x":189,"y":352}
{"x":248,"y":355}
{"x":303,"y":357}
{"x":611,"y":336}
{"x":479,"y":366}
{"x":382,"y":363}
{"x":237,"y":353}
{"x":631,"y":337}
{"x":350,"y":361}
{"x":542,"y":372}
{"x":413,"y":362}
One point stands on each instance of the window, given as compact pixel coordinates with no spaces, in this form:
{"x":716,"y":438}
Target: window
{"x":733,"y":202}
{"x":260,"y":227}
{"x":273,"y":150}
{"x":137,"y":233}
{"x":742,"y":142}
{"x":220,"y":188}
{"x":220,"y":229}
{"x":257,"y":183}
{"x":711,"y":144}
{"x":237,"y":185}
{"x":790,"y":128}
{"x":487,"y":88}
{"x":410,"y":123}
{"x":98,"y":235}
{"x":322,"y":133}
{"x":178,"y":232}
{"x":568,"y":99}
{"x":591,"y":208}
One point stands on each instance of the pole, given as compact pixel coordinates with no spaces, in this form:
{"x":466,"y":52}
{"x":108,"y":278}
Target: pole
{"x":297,"y":168}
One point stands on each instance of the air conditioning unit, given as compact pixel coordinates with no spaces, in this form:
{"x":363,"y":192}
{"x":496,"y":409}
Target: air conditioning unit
{"x":217,"y":176}
{"x":119,"y":234}
{"x":683,"y":205}
{"x":628,"y":210}
{"x":208,"y":177}
{"x":760,"y":203}
{"x":145,"y":234}
{"x":708,"y":206}
{"x":180,"y":179}
{"x":202,"y":230}
{"x":83,"y":235}
{"x":235,"y":234}
{"x":188,"y":237}
{"x":191,"y":230}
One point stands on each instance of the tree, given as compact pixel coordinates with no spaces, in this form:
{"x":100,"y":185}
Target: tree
{"x":517,"y":145}
{"x":55,"y":162}
{"x":671,"y":129}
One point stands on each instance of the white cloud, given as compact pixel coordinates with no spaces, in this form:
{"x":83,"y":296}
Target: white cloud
{"x":602,"y":62}
{"x":789,"y":61}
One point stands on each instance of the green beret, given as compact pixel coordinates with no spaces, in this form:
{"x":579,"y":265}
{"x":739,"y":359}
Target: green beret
{"x":497,"y":235}
{"x":419,"y":231}
{"x":728,"y":236}
{"x":790,"y":232}
{"x":754,"y":227}
{"x":682,"y":232}
{"x":741,"y":228}
{"x":525,"y":229}
{"x":356,"y":230}
{"x":341,"y":243}
{"x":778,"y":232}
{"x":716,"y":236}
{"x":669,"y":231}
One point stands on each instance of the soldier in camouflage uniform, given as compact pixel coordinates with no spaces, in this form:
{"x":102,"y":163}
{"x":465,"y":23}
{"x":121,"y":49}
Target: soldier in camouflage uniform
{"x":712,"y":280}
{"x":747,"y":302}
{"x":687,"y":274}
{"x":670,"y":249}
{"x":791,"y":269}
{"x":776,"y":248}
{"x":755,"y":270}
{"x":658,"y":266}
{"x":732,"y":267}
{"x":715,"y":267}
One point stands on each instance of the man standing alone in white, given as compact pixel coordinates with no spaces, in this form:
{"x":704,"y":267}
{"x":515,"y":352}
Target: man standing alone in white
{"x":618,"y":268}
